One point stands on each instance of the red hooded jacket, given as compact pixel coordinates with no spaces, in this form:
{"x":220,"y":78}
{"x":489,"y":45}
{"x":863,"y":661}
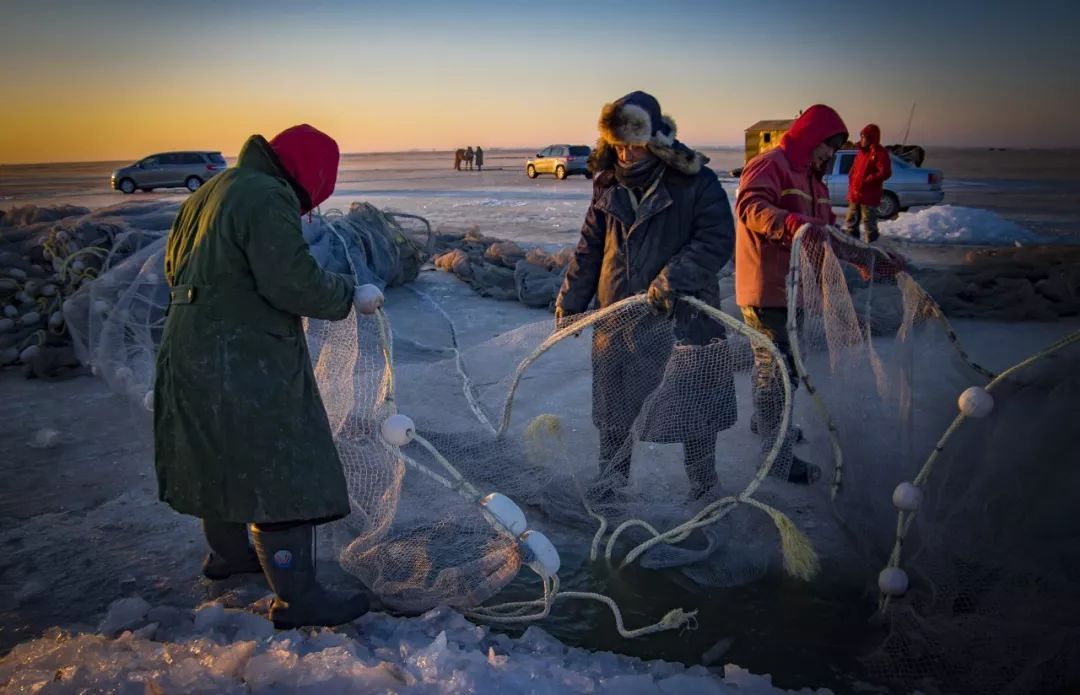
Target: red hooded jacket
{"x":773,"y":185}
{"x":872,"y":168}
{"x":310,"y":157}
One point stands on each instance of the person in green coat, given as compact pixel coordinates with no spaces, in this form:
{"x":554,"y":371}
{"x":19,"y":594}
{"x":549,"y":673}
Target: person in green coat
{"x":241,"y":435}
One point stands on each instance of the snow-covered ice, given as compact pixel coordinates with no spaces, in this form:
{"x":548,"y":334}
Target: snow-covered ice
{"x":215,"y":650}
{"x":949,"y":224}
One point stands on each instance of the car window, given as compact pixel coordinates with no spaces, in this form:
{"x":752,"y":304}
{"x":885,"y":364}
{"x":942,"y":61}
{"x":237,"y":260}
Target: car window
{"x":557,"y":152}
{"x":193,"y":158}
{"x":846,"y":160}
{"x":545,"y":152}
{"x":171,"y":159}
{"x":580,"y":151}
{"x":216,"y":158}
{"x":150,"y":161}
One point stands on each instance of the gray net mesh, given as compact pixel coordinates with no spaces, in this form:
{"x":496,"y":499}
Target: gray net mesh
{"x":967,"y":512}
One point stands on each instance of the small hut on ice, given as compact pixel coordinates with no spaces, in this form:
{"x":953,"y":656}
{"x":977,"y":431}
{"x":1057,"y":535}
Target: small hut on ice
{"x":765,"y":135}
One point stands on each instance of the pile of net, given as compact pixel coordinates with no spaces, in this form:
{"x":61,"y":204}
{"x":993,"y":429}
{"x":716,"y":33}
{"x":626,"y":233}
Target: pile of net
{"x":115,"y":321}
{"x":502,"y":269}
{"x":48,"y":254}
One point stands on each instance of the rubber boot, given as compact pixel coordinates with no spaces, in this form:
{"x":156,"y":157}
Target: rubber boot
{"x":287,"y":555}
{"x":796,"y":430}
{"x":803,"y":472}
{"x":230,"y":553}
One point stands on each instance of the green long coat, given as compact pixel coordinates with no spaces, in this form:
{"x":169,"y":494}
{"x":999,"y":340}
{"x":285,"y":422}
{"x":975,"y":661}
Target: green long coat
{"x":240,"y":432}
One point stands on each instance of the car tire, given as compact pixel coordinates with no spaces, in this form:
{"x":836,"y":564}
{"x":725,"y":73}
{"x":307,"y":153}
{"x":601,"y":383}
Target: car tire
{"x":560,"y":172}
{"x":889,"y":207}
{"x":126,"y":186}
{"x":193,"y":183}
{"x":588,"y":174}
{"x":531,"y":171}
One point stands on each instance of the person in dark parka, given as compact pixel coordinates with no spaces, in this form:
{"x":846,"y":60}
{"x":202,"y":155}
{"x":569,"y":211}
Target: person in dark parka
{"x":241,"y":435}
{"x":659,"y":223}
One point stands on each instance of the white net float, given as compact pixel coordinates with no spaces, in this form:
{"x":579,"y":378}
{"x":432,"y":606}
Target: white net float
{"x":976,"y":402}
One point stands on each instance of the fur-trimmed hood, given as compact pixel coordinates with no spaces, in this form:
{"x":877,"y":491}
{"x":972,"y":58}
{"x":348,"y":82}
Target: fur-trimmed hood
{"x":675,"y":156}
{"x":636,"y":119}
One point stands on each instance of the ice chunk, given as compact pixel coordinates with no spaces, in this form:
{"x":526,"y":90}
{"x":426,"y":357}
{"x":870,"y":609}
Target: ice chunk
{"x":124,"y":614}
{"x":209,"y":616}
{"x":630,"y":685}
{"x":146,"y":632}
{"x":271,"y":667}
{"x":249,"y":626}
{"x":540,"y":642}
{"x":433,"y":661}
{"x":167,"y":616}
{"x":496,"y":660}
{"x":231,"y":660}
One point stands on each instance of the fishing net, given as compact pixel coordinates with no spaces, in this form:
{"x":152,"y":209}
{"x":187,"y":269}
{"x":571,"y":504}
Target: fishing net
{"x":965,"y":514}
{"x":666,"y":442}
{"x":115,"y":321}
{"x":613,"y":429}
{"x":993,"y":548}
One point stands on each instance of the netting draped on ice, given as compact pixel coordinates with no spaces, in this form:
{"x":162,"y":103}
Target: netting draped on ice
{"x":630,"y":437}
{"x":958,"y":485}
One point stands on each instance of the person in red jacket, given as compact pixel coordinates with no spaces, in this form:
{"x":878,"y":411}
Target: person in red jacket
{"x":781,"y":191}
{"x":866,"y":183}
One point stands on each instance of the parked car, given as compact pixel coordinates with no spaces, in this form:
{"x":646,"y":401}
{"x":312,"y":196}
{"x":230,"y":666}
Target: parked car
{"x":561,"y":160}
{"x":908,"y":186}
{"x":169,"y":170}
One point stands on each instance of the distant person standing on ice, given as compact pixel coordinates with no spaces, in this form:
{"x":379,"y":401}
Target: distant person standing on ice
{"x":240,"y":432}
{"x":479,"y":158}
{"x":659,"y":223}
{"x":780,"y":191}
{"x":469,"y":154}
{"x":866,"y":184}
{"x":459,"y":156}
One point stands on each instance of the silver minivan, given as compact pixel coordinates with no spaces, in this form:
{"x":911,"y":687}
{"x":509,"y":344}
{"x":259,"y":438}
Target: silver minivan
{"x":169,"y":170}
{"x":561,"y":160}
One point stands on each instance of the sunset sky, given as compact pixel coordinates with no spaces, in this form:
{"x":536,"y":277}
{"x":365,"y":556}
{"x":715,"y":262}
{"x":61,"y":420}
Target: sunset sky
{"x":118,"y":79}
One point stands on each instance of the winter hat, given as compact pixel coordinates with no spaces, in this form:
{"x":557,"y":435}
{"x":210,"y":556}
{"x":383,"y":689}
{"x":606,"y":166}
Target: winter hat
{"x":636,"y":119}
{"x":310,"y":157}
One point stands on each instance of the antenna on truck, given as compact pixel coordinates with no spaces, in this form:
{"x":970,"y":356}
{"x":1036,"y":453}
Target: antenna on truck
{"x":910,"y":118}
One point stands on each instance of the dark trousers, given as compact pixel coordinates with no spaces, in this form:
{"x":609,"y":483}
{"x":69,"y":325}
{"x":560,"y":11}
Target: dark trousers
{"x":768,"y":389}
{"x":699,"y":459}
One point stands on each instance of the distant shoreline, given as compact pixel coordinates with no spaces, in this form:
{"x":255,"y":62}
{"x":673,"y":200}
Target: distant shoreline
{"x":494,"y":150}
